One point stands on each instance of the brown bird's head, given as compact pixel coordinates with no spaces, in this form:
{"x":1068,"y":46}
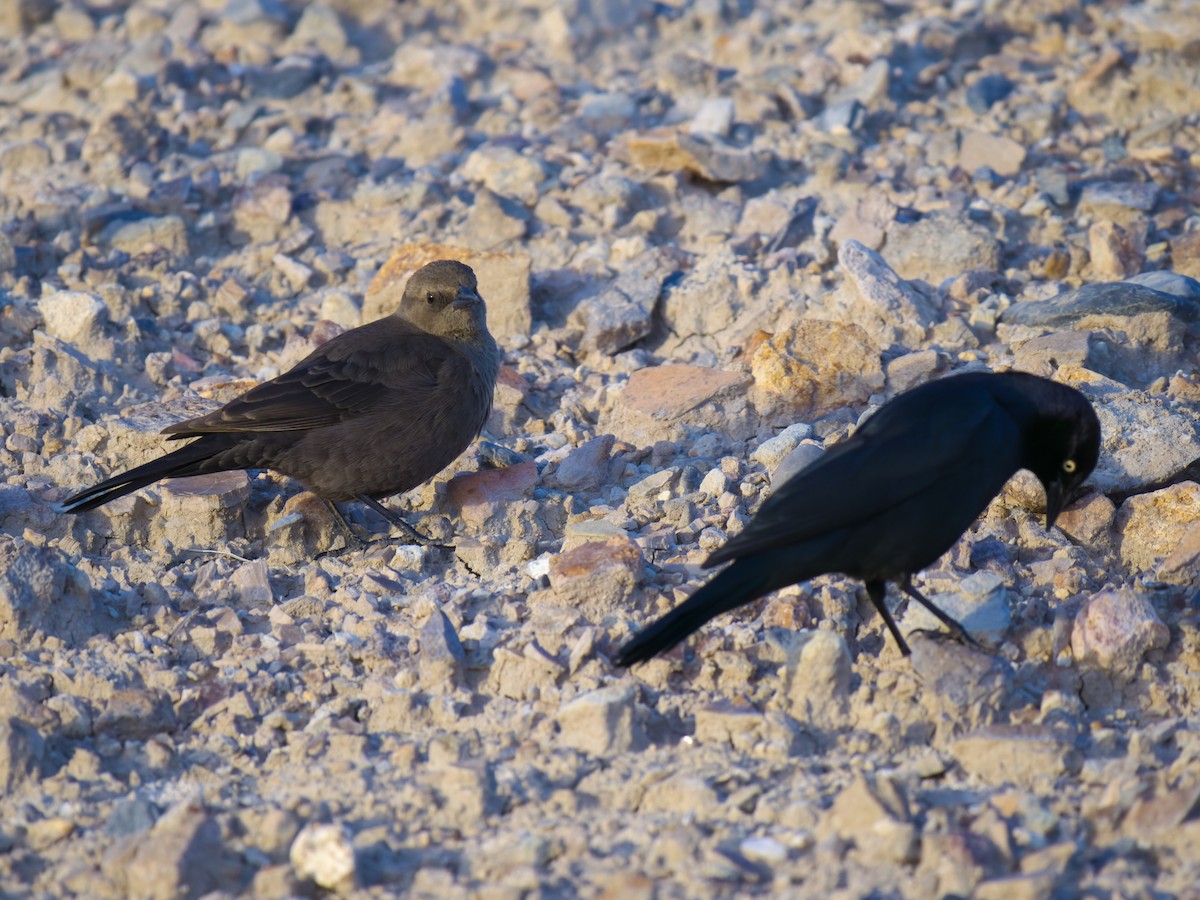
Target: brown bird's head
{"x":442,"y":298}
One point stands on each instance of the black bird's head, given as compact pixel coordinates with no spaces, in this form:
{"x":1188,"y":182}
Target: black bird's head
{"x":443,"y":299}
{"x":1062,"y":441}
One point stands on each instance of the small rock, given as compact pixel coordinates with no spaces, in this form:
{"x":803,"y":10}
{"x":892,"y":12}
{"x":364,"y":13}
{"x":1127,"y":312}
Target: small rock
{"x":478,"y":496}
{"x":878,"y":300}
{"x":167,"y":233}
{"x":1119,"y":298}
{"x":77,"y":318}
{"x":597,"y":578}
{"x":622,"y":314}
{"x":818,"y":679}
{"x":441,"y":659}
{"x":262,"y":206}
{"x":602,"y":722}
{"x":1001,"y":154}
{"x":866,"y":222}
{"x":324,"y":854}
{"x":715,"y":116}
{"x":1182,"y":565}
{"x":182,"y":854}
{"x":203,"y":510}
{"x":985,"y":92}
{"x":526,"y":675}
{"x":963,"y":688}
{"x":673,"y":402}
{"x":1088,"y":520}
{"x":1115,"y":628}
{"x":586,"y":467}
{"x":938,"y":247}
{"x":493,"y":221}
{"x":608,"y":112}
{"x":879,"y":829}
{"x":135,"y":714}
{"x":912,"y":369}
{"x":505,"y":171}
{"x":1021,"y":755}
{"x":816,"y":367}
{"x":1115,"y":254}
{"x":807,"y":453}
{"x":38,"y":596}
{"x":764,"y":850}
{"x":1121,"y":202}
{"x":705,"y":155}
{"x":1150,"y":526}
{"x":771,"y":452}
{"x":21,"y":752}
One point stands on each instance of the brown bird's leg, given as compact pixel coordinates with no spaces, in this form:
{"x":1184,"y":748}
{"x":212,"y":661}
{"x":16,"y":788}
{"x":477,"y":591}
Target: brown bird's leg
{"x":395,"y":519}
{"x":353,"y":541}
{"x":954,"y":626}
{"x":877,"y":591}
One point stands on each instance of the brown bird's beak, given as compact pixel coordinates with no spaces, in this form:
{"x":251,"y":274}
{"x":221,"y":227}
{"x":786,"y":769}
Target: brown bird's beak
{"x":466,"y":299}
{"x":1054,"y":502}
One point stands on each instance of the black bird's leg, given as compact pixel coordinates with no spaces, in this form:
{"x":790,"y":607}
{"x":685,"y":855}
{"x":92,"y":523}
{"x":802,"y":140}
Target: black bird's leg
{"x":395,"y":519}
{"x":353,"y":541}
{"x":954,"y":626}
{"x":877,"y":591}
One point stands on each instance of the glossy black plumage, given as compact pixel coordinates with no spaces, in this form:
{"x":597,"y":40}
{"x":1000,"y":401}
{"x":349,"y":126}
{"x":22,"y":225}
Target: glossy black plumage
{"x":891,"y":499}
{"x":373,"y":412}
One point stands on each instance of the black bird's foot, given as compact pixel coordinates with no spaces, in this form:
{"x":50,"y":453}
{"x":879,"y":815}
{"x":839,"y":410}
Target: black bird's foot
{"x":393,"y":518}
{"x":953,"y":624}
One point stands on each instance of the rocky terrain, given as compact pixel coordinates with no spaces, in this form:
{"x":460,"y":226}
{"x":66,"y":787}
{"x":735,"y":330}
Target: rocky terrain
{"x":713,"y":235}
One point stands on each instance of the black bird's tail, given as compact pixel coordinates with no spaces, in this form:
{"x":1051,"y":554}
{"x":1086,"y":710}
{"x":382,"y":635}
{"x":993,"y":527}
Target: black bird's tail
{"x":747,"y":579}
{"x":188,"y":460}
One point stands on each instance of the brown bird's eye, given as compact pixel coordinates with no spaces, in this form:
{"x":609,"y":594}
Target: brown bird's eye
{"x":1069,"y":466}
{"x":429,"y":297}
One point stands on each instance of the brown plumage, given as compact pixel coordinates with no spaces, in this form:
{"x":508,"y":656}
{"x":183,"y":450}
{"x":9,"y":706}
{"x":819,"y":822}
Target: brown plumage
{"x":373,"y":412}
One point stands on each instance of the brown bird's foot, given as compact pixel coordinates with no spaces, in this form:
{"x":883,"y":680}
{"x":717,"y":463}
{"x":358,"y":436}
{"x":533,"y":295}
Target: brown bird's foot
{"x":352,"y":540}
{"x":395,"y":519}
{"x":953,"y":624}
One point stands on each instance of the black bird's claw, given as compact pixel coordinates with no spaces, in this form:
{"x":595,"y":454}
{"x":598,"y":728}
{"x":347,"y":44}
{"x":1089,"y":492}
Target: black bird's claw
{"x":953,"y":624}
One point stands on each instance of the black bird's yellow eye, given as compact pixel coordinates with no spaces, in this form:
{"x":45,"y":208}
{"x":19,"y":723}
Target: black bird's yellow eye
{"x":1069,"y":466}
{"x":429,"y":297}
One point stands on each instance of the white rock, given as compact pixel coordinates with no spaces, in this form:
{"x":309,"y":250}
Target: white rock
{"x":324,"y":854}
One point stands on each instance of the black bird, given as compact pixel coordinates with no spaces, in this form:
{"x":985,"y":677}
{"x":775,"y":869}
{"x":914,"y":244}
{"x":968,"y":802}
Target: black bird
{"x":373,"y":412}
{"x":895,"y":496}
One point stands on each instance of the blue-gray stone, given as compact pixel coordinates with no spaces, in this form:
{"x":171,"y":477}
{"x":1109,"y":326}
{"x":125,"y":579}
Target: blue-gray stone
{"x":1117,"y":298}
{"x":1169,"y":283}
{"x":988,"y":90}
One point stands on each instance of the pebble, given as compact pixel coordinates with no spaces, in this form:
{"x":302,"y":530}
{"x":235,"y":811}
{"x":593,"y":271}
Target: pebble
{"x":1115,"y":628}
{"x":324,"y":854}
{"x":601,"y":723}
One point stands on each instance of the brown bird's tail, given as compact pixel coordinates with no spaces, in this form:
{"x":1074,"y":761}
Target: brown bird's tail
{"x":747,"y":579}
{"x":188,"y":460}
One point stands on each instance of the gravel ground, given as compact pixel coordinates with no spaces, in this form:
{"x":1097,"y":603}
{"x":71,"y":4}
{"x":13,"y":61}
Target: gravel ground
{"x":712,"y":235}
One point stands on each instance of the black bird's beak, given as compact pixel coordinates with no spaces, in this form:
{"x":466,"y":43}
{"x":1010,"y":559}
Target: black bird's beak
{"x":1054,"y":502}
{"x":466,"y":298}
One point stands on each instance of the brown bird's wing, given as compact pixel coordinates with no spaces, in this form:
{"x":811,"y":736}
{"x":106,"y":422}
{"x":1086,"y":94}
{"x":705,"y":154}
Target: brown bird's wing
{"x":335,"y":383}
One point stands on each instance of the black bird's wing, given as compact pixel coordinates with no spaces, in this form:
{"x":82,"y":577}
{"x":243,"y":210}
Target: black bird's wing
{"x":333,"y":384}
{"x":905,"y":450}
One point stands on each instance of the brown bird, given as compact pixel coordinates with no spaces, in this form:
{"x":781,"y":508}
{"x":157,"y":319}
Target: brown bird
{"x":373,"y":412}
